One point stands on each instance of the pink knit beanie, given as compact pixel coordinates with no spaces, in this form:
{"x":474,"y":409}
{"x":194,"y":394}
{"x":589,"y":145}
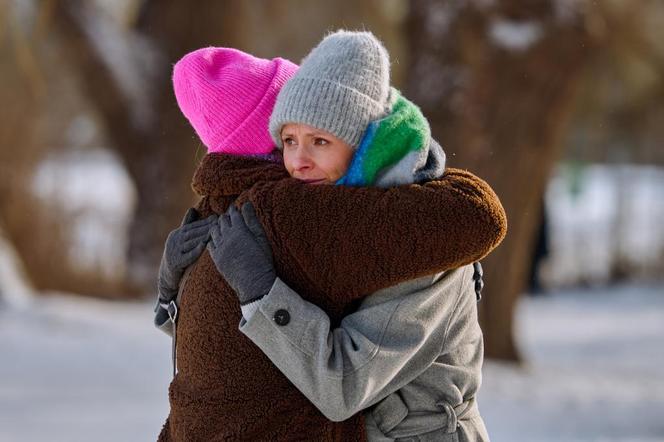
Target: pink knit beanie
{"x":228,"y":96}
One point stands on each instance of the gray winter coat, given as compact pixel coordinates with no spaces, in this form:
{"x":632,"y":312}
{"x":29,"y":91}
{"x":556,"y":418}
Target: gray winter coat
{"x":411,"y":355}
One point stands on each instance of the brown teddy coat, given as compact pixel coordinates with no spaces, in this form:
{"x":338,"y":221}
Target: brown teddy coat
{"x":333,"y":245}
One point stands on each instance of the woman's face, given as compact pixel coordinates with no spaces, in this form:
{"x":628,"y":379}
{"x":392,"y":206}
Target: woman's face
{"x":313,"y":155}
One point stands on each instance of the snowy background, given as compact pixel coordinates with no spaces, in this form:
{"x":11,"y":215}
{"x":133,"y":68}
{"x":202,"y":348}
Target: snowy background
{"x":593,"y":372}
{"x":79,"y":369}
{"x":74,"y":368}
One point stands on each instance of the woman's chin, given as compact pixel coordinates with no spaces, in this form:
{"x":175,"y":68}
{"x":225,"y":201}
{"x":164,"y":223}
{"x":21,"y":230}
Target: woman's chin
{"x":316,"y":181}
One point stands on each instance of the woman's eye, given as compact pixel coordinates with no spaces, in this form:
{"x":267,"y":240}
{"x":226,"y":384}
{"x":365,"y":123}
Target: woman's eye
{"x":321,"y":142}
{"x":288,"y":141}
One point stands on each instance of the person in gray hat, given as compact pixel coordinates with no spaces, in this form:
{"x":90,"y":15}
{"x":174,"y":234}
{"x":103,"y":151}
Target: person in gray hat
{"x":341,"y":86}
{"x":338,"y":120}
{"x":411,"y":355}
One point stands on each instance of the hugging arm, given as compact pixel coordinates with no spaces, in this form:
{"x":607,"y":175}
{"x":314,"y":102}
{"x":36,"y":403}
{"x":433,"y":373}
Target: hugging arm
{"x":388,"y":342}
{"x":369,"y":239}
{"x":372,"y":238}
{"x":182,"y":248}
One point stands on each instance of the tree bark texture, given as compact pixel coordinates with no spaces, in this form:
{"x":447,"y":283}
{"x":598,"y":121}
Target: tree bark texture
{"x":159,"y":149}
{"x":497,"y":81}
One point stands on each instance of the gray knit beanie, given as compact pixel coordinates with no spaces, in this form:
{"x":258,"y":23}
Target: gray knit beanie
{"x":341,"y":86}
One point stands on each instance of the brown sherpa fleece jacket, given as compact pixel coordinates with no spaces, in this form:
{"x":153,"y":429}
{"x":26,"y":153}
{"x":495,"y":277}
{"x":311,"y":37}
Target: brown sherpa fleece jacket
{"x":334,"y":245}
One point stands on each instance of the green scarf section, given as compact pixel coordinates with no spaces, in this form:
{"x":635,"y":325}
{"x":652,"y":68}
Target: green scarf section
{"x":395,"y":149}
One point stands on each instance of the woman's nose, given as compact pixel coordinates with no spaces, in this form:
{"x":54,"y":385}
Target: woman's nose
{"x":302,"y":160}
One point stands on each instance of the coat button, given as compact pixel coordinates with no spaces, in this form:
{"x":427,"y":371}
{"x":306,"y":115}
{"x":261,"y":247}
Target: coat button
{"x":282,"y":317}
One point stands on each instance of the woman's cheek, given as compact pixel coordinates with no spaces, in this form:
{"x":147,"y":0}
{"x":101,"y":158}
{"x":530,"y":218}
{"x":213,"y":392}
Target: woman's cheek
{"x":288,"y":163}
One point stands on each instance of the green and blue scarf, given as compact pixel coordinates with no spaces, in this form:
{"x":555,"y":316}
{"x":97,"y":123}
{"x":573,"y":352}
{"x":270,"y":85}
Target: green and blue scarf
{"x":397,"y":149}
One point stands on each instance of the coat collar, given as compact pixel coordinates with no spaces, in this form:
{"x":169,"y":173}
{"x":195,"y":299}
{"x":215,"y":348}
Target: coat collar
{"x":224,"y":175}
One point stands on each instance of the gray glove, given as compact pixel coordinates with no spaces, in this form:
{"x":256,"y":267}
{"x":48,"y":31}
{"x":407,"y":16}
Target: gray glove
{"x":183,"y":247}
{"x":242,"y":255}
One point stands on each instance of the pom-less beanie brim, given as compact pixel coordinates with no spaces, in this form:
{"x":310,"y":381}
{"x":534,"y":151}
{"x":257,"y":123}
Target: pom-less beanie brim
{"x":341,"y":111}
{"x":342,"y":85}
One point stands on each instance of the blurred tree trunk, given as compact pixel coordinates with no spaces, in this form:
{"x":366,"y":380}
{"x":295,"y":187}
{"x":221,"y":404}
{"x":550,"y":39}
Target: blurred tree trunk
{"x":497,"y":80}
{"x":294,"y":27}
{"x":29,"y":94}
{"x":143,"y":124}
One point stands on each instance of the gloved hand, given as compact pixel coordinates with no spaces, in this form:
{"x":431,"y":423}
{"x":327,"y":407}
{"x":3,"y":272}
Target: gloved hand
{"x":183,"y":247}
{"x":242,"y":254}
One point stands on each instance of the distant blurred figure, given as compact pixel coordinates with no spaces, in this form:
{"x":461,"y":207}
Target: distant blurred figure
{"x":540,"y":252}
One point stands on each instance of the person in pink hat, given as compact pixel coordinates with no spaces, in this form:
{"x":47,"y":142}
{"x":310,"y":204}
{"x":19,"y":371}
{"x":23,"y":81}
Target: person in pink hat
{"x":228,"y":96}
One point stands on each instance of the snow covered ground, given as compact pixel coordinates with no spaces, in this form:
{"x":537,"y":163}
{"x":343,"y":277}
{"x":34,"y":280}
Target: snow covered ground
{"x":76,"y":369}
{"x":595,"y":369}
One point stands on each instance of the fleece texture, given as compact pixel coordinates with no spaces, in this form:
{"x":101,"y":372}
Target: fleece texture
{"x":332,"y":244}
{"x":358,"y":240}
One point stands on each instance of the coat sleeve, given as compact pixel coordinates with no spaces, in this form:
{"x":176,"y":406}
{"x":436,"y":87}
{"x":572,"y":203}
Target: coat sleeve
{"x":395,"y":335}
{"x":372,"y":238}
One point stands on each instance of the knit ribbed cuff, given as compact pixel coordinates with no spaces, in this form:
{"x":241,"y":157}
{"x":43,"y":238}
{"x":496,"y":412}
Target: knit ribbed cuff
{"x":248,"y":310}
